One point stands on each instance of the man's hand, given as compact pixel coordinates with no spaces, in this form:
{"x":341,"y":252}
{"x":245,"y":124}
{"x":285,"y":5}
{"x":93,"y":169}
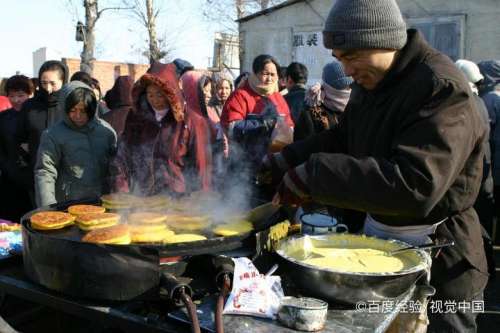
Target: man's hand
{"x":272,"y":169}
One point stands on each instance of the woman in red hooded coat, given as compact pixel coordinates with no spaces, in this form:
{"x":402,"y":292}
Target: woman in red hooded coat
{"x":197,"y":91}
{"x":165,"y":146}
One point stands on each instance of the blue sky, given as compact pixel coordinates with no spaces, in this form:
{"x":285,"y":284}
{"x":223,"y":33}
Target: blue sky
{"x":27,"y":25}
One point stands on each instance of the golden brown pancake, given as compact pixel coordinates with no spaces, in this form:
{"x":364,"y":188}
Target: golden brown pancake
{"x":188,"y":222}
{"x":183,"y":238}
{"x":118,"y":198}
{"x":156,"y":201}
{"x":117,"y":234}
{"x":141,"y":228}
{"x":146,"y":218}
{"x":84,"y":209}
{"x":233,"y":229}
{"x":145,"y":236}
{"x":117,"y":201}
{"x":92,"y":221}
{"x":50,"y":220}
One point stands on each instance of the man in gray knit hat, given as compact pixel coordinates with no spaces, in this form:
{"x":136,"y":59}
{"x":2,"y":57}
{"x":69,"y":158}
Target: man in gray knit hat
{"x":407,"y":153}
{"x":365,"y":35}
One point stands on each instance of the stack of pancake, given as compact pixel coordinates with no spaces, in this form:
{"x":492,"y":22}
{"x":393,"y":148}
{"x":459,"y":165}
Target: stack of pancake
{"x":116,"y":201}
{"x":148,"y":227}
{"x":116,"y":234}
{"x":183,"y":222}
{"x":91,"y":221}
{"x":154,"y":203}
{"x":51,"y":220}
{"x":85,"y":209}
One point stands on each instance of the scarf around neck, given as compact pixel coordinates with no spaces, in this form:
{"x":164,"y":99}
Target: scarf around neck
{"x":261,"y":88}
{"x":331,"y":98}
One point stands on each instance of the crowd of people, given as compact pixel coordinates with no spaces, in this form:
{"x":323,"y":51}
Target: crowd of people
{"x":394,"y":131}
{"x":175,"y":130}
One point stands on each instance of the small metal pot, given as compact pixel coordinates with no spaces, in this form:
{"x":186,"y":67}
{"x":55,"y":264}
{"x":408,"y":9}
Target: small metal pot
{"x":303,"y":314}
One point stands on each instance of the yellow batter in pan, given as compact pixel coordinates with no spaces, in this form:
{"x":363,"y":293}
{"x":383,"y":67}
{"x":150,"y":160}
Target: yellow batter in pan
{"x":362,"y":260}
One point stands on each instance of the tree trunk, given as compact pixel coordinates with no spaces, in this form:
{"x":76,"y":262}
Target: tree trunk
{"x":154,"y":50}
{"x":264,"y":4}
{"x":240,"y":8}
{"x":87,"y":56}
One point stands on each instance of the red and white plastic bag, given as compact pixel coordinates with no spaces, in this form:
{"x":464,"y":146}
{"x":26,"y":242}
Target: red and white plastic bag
{"x":253,"y":294}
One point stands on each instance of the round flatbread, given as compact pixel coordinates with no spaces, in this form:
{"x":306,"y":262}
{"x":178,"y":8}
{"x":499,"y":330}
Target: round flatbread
{"x":184,"y":238}
{"x":117,"y":234}
{"x":142,"y":228}
{"x":119,"y":199}
{"x":233,"y":229}
{"x":147,"y":218}
{"x":97,"y":218}
{"x":85,"y":209}
{"x":92,"y":221}
{"x":156,"y":201}
{"x":51,"y":220}
{"x":187,"y":222}
{"x":150,"y":236}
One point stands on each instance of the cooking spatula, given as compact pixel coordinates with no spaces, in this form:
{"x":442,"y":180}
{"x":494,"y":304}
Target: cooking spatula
{"x":421,"y":247}
{"x":261,"y":214}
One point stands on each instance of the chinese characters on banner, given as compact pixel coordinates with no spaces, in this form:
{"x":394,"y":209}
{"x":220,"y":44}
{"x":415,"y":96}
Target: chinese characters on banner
{"x":308,"y":49}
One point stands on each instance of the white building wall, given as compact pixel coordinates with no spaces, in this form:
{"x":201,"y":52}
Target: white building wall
{"x":42,"y":55}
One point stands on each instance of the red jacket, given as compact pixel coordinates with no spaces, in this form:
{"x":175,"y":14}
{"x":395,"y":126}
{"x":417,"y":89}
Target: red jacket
{"x":168,"y":156}
{"x":4,"y":103}
{"x":244,"y":101}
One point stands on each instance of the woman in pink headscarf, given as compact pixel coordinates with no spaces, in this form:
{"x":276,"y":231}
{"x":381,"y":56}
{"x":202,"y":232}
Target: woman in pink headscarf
{"x":197,"y":91}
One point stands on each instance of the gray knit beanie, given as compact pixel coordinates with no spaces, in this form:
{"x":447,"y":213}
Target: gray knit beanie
{"x":365,"y":24}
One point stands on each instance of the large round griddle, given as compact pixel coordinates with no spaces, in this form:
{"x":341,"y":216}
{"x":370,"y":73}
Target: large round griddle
{"x":60,"y":261}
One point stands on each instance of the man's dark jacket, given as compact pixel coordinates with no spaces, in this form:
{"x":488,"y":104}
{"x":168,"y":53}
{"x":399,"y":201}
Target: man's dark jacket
{"x":295,"y":101}
{"x":409,"y":152}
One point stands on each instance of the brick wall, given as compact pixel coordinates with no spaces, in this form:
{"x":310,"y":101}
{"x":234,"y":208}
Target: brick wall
{"x":106,"y":71}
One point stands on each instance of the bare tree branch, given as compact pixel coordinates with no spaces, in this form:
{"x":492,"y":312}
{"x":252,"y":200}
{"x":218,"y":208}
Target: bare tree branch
{"x":99,"y":13}
{"x":225,"y":12}
{"x":147,"y":13}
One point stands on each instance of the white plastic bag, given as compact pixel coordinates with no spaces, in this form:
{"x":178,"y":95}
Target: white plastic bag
{"x":253,"y":294}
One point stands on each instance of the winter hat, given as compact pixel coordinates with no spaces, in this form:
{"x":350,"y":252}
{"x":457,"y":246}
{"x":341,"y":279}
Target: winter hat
{"x":334,"y":76}
{"x":182,"y":66}
{"x":365,"y":24}
{"x":470,"y":70}
{"x":491,"y":71}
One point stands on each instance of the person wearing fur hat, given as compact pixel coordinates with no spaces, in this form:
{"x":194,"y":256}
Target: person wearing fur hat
{"x":407,"y":153}
{"x":165,"y":145}
{"x":325,"y":102}
{"x":74,"y":154}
